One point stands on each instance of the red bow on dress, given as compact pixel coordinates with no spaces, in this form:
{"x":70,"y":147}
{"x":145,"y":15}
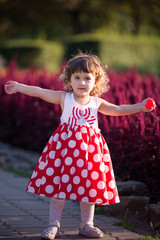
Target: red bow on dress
{"x":81,"y":117}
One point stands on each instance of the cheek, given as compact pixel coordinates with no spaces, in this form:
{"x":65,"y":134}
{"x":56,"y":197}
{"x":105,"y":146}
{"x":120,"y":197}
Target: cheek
{"x":91,"y":86}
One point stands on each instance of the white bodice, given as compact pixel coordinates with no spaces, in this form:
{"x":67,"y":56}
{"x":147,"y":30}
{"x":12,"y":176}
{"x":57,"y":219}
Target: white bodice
{"x":74,"y":113}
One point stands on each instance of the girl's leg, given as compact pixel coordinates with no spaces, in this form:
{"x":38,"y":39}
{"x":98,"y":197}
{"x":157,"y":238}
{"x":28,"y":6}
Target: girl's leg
{"x":55,"y":213}
{"x":87,"y":213}
{"x":87,"y":226}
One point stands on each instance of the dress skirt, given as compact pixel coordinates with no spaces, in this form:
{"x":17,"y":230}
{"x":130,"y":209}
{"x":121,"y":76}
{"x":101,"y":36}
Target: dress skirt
{"x":75,"y":164}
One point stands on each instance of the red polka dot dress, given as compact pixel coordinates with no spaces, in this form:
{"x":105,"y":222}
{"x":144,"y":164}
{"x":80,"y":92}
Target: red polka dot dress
{"x":76,"y":164}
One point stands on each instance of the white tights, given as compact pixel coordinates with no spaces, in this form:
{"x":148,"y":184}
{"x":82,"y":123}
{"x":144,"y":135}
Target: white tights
{"x":56,"y":209}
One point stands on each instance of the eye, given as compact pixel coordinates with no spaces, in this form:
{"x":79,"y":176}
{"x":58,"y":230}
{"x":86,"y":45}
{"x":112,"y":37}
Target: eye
{"x":88,"y":78}
{"x":76,"y":77}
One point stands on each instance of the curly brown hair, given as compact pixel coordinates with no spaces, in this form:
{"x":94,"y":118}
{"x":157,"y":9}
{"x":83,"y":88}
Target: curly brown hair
{"x":88,"y":63}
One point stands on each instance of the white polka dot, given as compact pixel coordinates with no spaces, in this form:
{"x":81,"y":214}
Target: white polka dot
{"x":59,"y":144}
{"x":69,"y":134}
{"x":91,"y":148}
{"x":106,"y":147}
{"x":110,"y":195}
{"x":55,"y":195}
{"x":55,"y":139}
{"x":64,"y":152}
{"x":105,"y":195}
{"x":117,"y":199}
{"x":62,"y":169}
{"x":88,"y":183}
{"x":51,"y":139}
{"x":43,"y":181}
{"x":80,"y":163}
{"x":90,"y":165}
{"x":96,"y":157}
{"x":112,"y":173}
{"x":38,"y":182}
{"x":64,"y":136}
{"x":68,"y":161}
{"x":45,"y":149}
{"x":92,"y":193}
{"x":31,"y":189}
{"x":65,"y":178}
{"x":87,"y":156}
{"x":101,"y":185}
{"x":102,"y":167}
{"x":69,"y":188}
{"x":98,"y":200}
{"x":96,"y":140}
{"x":62,"y":195}
{"x":81,"y":190}
{"x":57,"y":162}
{"x":76,"y":153}
{"x":85,"y":199}
{"x":34,"y":174}
{"x":76,"y":180}
{"x":73,"y":196}
{"x":94,"y":175}
{"x":75,"y":128}
{"x":78,"y":135}
{"x":42,"y":165}
{"x":91,"y":132}
{"x":29,"y":184}
{"x":106,"y":169}
{"x":56,"y":180}
{"x":106,"y":157}
{"x":83,"y":146}
{"x":72,"y":171}
{"x":84,"y":173}
{"x":49,"y":189}
{"x":49,"y":171}
{"x":72,"y":143}
{"x":83,"y":130}
{"x":111,"y":184}
{"x":52,"y":154}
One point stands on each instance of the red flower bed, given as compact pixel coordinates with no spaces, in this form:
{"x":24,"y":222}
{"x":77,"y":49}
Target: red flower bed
{"x":134,"y":140}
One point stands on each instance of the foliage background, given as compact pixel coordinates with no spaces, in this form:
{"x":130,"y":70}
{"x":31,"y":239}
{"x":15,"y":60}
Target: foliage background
{"x":122,"y":33}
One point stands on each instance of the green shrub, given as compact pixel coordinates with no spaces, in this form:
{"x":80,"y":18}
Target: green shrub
{"x":25,"y":55}
{"x":72,"y":47}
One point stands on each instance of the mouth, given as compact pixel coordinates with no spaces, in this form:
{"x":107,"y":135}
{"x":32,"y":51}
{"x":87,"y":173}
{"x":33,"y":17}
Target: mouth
{"x":82,"y":89}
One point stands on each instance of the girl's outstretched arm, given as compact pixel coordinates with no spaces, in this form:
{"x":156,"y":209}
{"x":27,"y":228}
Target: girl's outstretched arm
{"x":56,"y":97}
{"x":115,"y":110}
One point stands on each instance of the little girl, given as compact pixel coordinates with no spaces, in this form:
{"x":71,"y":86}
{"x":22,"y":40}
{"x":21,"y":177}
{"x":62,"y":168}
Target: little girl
{"x":76,"y":164}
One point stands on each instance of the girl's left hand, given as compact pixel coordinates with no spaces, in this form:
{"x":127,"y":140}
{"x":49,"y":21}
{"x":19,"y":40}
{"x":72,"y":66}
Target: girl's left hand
{"x":148,"y":109}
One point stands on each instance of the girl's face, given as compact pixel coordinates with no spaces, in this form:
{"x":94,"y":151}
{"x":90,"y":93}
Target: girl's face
{"x":82,"y":83}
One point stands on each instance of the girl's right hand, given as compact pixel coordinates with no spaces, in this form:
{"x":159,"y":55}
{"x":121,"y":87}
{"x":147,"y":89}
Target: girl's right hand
{"x":11,"y":87}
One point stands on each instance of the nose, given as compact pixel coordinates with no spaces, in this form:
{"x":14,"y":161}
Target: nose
{"x":82,"y":82}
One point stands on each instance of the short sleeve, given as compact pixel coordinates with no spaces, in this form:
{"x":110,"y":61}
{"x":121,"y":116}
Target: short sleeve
{"x":97,"y":101}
